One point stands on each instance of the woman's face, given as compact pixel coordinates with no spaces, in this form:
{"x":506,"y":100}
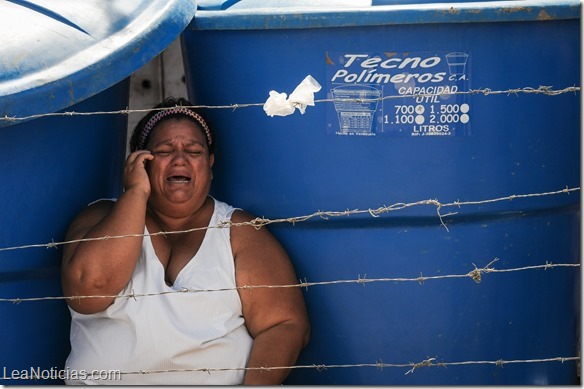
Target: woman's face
{"x":180,"y":172}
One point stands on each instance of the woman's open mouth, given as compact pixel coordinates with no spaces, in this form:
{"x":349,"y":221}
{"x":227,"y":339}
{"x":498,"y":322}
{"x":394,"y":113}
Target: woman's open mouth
{"x":178,"y":179}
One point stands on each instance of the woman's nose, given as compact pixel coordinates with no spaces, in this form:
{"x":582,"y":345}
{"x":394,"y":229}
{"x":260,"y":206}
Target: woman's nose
{"x":179,"y":157}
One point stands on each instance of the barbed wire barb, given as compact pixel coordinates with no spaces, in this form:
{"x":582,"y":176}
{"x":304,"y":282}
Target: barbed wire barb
{"x":362,"y":280}
{"x":427,"y":362}
{"x":477,"y":273}
{"x":380,"y":365}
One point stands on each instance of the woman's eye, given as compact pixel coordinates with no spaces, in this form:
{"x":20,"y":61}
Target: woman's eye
{"x":162,"y":153}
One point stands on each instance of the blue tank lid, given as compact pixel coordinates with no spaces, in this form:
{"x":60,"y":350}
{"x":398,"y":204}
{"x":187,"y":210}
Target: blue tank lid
{"x":206,"y":5}
{"x":288,"y":14}
{"x":57,"y":53}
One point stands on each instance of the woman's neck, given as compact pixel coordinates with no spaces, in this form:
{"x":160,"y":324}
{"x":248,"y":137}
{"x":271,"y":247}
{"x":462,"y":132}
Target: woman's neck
{"x":179,"y":220}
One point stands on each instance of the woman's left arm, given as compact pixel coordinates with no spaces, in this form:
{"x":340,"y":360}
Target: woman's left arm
{"x":276,"y":318}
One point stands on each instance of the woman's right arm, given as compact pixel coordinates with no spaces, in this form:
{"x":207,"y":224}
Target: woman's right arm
{"x":103,"y":267}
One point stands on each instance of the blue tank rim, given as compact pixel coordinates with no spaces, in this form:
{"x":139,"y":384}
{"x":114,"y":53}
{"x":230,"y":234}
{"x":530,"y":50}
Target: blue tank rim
{"x":144,"y":40}
{"x":381,"y":15}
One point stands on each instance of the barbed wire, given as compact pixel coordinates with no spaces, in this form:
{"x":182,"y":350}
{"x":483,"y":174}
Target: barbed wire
{"x":260,"y":222}
{"x":430,"y":362}
{"x":476,"y":275}
{"x":541,"y":90}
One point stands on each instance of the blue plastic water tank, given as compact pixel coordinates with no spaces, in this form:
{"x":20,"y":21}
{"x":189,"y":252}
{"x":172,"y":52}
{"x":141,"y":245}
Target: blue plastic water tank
{"x":55,"y":57}
{"x":419,"y":101}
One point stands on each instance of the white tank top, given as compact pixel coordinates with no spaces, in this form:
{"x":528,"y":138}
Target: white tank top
{"x":176,"y":331}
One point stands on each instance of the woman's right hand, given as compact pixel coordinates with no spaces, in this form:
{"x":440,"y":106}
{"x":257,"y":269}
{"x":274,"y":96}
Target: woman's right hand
{"x":135,"y":175}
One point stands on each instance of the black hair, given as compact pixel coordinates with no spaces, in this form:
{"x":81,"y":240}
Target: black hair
{"x":168,"y":103}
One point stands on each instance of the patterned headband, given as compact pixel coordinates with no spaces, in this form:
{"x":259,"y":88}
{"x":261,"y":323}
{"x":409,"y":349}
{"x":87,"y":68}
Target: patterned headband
{"x":162,"y":114}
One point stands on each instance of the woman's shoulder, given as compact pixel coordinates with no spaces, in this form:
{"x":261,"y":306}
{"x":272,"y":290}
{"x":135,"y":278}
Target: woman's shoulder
{"x":104,"y":201}
{"x":98,"y":207}
{"x":91,"y":214}
{"x":248,"y":227}
{"x":241,"y":216}
{"x":223,"y":210}
{"x":225,"y":213}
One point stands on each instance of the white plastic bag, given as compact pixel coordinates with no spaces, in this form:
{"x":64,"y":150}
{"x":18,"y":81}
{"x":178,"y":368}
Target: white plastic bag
{"x":278,"y":105}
